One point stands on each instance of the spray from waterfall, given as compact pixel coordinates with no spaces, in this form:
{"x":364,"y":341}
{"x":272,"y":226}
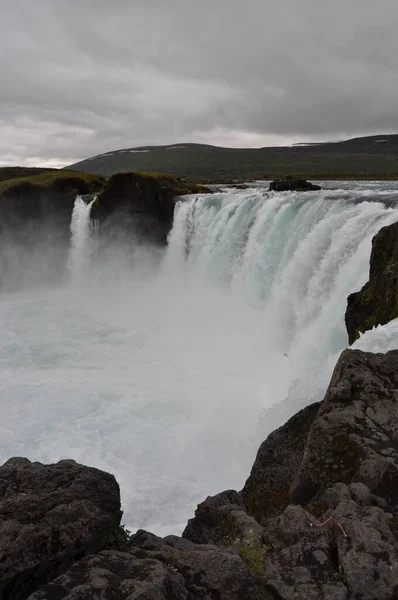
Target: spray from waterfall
{"x":170,"y":377}
{"x":82,"y":238}
{"x":293,"y":257}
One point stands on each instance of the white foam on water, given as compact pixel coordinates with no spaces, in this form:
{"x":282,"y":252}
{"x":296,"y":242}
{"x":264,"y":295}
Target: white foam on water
{"x":170,"y":375}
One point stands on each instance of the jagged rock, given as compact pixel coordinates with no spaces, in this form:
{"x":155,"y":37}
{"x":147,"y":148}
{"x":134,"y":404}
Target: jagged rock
{"x":292,"y":184}
{"x":159,"y":569}
{"x":335,"y":463}
{"x":113,"y":575}
{"x":266,"y":491}
{"x":143,"y":203}
{"x":377,"y":302}
{"x":50,"y":516}
{"x":221,"y":519}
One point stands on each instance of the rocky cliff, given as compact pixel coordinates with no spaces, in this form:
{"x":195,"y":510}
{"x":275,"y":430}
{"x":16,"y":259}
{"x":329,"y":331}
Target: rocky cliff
{"x":49,"y":195}
{"x":142,"y":203}
{"x":377,"y":302}
{"x":316,"y":519}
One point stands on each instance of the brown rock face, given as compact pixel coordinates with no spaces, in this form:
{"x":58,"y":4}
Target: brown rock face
{"x":50,"y":516}
{"x":377,"y":302}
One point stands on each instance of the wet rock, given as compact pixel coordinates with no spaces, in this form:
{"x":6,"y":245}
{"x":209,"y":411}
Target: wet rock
{"x":50,"y":516}
{"x":292,"y":184}
{"x":377,"y":302}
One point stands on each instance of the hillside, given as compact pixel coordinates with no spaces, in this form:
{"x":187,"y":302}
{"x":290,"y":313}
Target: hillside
{"x":16,"y":181}
{"x":373,"y":157}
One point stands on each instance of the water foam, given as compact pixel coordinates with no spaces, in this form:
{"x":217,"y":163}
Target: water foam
{"x":170,"y":378}
{"x":82,"y":243}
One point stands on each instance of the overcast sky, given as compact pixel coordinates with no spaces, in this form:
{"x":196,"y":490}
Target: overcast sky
{"x":81,"y":77}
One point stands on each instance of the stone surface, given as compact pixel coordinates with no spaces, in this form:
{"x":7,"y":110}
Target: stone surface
{"x":323,"y":489}
{"x":51,"y":515}
{"x":142,"y":203}
{"x":377,"y":302}
{"x":159,"y":569}
{"x":292,"y":184}
{"x":30,"y":202}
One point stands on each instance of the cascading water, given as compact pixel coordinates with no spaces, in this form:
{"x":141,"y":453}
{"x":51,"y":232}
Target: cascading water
{"x":81,"y":229}
{"x":294,"y":256}
{"x":170,"y":376}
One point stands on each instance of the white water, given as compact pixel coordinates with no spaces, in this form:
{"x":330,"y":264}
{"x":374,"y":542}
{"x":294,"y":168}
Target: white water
{"x":379,"y":339}
{"x":170,"y":374}
{"x":81,"y":243}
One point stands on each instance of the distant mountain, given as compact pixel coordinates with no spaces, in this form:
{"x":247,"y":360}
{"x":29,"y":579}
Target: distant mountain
{"x":364,"y":157}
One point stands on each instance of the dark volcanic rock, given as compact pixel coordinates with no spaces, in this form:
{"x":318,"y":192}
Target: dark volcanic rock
{"x":50,"y":516}
{"x":292,"y":184}
{"x":27,"y":202}
{"x":377,"y":302}
{"x":35,"y":226}
{"x":323,"y":489}
{"x":221,"y":519}
{"x":159,"y":569}
{"x":267,"y":491}
{"x":143,"y":202}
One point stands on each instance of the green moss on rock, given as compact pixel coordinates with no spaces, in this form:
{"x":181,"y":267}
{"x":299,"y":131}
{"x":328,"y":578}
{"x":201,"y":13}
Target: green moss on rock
{"x":71,"y":181}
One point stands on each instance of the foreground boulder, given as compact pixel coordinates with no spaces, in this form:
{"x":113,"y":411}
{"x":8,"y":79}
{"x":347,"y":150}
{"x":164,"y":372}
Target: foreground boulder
{"x":143,"y":203}
{"x":50,"y":516}
{"x":377,"y":302}
{"x":323,"y":491}
{"x":292,"y":184}
{"x":152,"y":568}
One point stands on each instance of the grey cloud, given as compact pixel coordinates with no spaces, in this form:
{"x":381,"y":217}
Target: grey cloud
{"x":80,"y":78}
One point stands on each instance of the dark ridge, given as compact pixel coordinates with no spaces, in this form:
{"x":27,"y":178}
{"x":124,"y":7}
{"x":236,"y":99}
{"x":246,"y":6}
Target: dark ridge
{"x":371,"y":157}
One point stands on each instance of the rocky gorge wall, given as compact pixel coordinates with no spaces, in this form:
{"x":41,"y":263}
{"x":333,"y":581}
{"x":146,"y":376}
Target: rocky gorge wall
{"x":36,"y":211}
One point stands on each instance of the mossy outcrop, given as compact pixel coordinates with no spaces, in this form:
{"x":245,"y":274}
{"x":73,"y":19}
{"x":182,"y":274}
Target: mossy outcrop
{"x":19,"y":172}
{"x":144,"y":202}
{"x":49,"y":194}
{"x":377,"y":302}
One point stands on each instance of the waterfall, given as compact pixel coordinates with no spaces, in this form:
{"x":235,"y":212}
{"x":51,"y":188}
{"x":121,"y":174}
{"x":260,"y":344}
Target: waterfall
{"x":295,"y":257}
{"x":169,"y":371}
{"x":81,"y":245}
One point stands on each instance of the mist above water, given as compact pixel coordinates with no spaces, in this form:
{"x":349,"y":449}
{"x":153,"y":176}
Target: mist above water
{"x":169,"y":368}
